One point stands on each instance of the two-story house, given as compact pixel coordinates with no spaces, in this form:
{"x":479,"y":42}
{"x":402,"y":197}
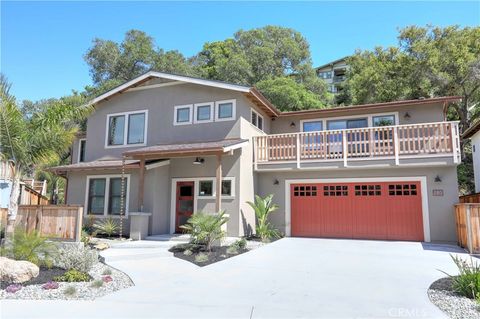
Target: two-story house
{"x":183,"y":145}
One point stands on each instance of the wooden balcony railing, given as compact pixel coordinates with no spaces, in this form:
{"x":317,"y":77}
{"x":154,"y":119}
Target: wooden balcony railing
{"x":384,"y":142}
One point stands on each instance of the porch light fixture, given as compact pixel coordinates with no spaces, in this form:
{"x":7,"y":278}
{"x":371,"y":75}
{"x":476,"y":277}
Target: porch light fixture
{"x":438,"y":179}
{"x":276,"y":182}
{"x":407,"y":116}
{"x":198,"y":161}
{"x":292,"y":125}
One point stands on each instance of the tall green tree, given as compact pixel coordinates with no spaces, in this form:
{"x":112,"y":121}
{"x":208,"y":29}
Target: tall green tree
{"x":428,"y":61}
{"x":112,"y":63}
{"x":29,"y":141}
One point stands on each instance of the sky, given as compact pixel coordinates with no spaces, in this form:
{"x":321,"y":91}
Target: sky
{"x":43,"y":43}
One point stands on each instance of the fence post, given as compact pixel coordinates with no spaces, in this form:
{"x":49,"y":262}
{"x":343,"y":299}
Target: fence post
{"x":78,"y":229}
{"x":469,"y":230}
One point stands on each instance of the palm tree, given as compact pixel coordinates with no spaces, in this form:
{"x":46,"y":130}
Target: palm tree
{"x":43,"y":137}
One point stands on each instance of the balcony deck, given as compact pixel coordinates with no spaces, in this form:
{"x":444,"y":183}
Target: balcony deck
{"x":394,"y":143}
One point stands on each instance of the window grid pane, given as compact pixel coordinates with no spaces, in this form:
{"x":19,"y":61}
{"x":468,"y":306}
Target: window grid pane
{"x":203,"y":113}
{"x":96,"y":196}
{"x":227,"y":188}
{"x":136,"y":128}
{"x":116,"y":130}
{"x":225,"y":110}
{"x":183,"y":115}
{"x":205,"y":188}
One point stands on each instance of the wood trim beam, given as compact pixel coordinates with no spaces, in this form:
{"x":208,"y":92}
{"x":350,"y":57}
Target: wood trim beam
{"x":218,"y":176}
{"x":141,"y":184}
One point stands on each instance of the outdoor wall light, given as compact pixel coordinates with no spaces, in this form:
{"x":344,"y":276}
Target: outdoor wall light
{"x":292,"y":125}
{"x":198,"y":161}
{"x":407,"y":116}
{"x":438,"y":179}
{"x":276,"y":182}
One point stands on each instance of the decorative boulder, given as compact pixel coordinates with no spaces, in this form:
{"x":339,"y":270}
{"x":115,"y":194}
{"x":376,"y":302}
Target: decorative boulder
{"x":17,"y":271}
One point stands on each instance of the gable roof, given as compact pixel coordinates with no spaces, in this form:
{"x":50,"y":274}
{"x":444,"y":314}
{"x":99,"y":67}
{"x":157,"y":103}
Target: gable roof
{"x":332,"y":62}
{"x":472,"y":130}
{"x":250,"y":92}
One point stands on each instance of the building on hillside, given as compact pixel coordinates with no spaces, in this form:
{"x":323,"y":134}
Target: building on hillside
{"x":334,"y":74}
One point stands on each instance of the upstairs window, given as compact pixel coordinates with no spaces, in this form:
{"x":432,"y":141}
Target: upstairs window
{"x":183,"y":114}
{"x":203,"y":112}
{"x":81,"y":150}
{"x":225,"y":110}
{"x":257,"y":120}
{"x":127,"y":128}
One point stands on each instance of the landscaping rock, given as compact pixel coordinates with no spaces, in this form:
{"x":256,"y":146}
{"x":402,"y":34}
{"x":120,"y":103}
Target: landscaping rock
{"x":17,"y":271}
{"x":101,"y":246}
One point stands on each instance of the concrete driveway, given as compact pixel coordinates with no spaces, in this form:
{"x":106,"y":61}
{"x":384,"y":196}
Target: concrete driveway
{"x":291,"y":278}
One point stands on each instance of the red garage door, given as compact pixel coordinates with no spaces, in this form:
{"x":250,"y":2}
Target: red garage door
{"x":391,"y":210}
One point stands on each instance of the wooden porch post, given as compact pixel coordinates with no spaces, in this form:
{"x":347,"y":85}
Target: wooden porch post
{"x":141,"y":186}
{"x":218,"y":197}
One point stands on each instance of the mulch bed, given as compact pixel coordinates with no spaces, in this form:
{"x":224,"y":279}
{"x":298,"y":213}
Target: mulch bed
{"x":218,"y":253}
{"x":45,"y":275}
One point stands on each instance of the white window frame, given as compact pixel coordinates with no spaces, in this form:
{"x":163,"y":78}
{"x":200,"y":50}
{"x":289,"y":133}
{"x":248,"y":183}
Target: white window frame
{"x":196,"y":106}
{"x":258,"y":115}
{"x":107,"y":194}
{"x":234,"y":110}
{"x":125,"y":131}
{"x":369,"y":118}
{"x":190,"y":115}
{"x":80,"y":148}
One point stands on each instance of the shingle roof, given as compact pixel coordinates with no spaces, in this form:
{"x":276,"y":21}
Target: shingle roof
{"x":193,"y":147}
{"x":472,"y":130}
{"x":97,"y":164}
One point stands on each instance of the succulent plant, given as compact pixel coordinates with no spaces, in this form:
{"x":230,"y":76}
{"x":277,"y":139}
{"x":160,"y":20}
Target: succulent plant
{"x":13,"y":288}
{"x":107,"y":279}
{"x":50,"y":285}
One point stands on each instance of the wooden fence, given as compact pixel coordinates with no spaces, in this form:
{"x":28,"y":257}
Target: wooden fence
{"x":59,"y":222}
{"x":473,"y":198}
{"x":467,"y":218}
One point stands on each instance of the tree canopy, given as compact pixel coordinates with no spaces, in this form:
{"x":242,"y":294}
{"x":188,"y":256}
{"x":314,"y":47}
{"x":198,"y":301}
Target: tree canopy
{"x":258,"y":57}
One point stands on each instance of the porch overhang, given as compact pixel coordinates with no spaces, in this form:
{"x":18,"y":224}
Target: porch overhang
{"x":186,"y":149}
{"x":94,"y":165}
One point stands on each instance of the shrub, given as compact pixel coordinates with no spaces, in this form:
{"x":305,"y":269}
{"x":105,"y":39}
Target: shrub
{"x":73,"y":275}
{"x":97,"y":283}
{"x":205,"y":229}
{"x":70,"y":291}
{"x":50,"y":285}
{"x":107,"y":272}
{"x":78,"y":258}
{"x":85,"y":238}
{"x":263,"y":207}
{"x":241,"y":243}
{"x":201,"y":258}
{"x":88,"y":225}
{"x":32,"y":247}
{"x":182,"y":247}
{"x":107,"y":226}
{"x":232,"y":250}
{"x":467,"y":283}
{"x":187,"y":252}
{"x":13,"y":288}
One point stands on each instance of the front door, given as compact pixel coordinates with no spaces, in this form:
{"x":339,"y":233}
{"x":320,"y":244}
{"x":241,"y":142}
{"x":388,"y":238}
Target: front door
{"x":184,"y":206}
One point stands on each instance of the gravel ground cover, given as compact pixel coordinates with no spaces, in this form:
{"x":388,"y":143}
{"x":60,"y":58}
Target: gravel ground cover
{"x":454,"y":305}
{"x":81,"y":290}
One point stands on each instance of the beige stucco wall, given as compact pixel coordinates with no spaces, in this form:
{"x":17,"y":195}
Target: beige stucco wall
{"x":442,"y":223}
{"x":160,"y":104}
{"x":426,"y":113}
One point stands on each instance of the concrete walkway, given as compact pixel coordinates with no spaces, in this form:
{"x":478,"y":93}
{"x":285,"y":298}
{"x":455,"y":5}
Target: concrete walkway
{"x":291,"y":278}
